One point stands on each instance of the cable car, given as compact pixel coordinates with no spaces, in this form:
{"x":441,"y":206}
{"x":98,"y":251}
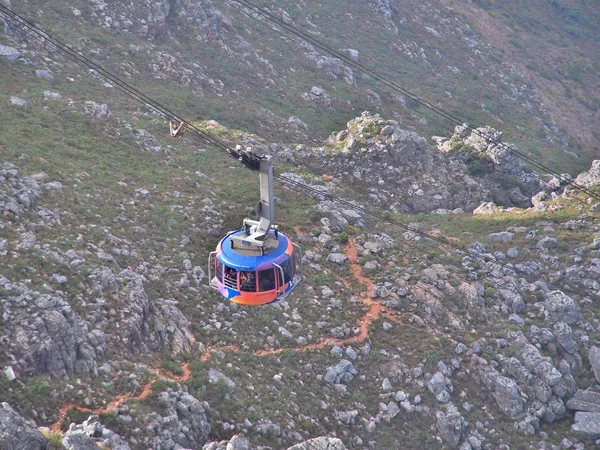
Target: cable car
{"x":256,"y":264}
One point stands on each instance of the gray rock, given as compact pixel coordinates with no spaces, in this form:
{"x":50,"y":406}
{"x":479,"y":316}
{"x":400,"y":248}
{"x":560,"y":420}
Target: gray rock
{"x":503,"y":236}
{"x":558,"y":307}
{"x":16,"y":433}
{"x":346,"y":417}
{"x":44,"y":74}
{"x":451,"y":425}
{"x":320,"y":443}
{"x":337,"y":258}
{"x":386,"y":385}
{"x":182,"y":421}
{"x":10,"y":53}
{"x":351,"y":53}
{"x":214,"y":376}
{"x":512,"y":252}
{"x":507,"y":396}
{"x":393,"y":409}
{"x":547,"y":242}
{"x":585,"y":400}
{"x":351,"y":353}
{"x":342,"y":372}
{"x":587,"y":425}
{"x":486,"y":208}
{"x":10,"y":373}
{"x":440,"y":386}
{"x":539,"y":365}
{"x":590,"y":178}
{"x":564,"y":338}
{"x":49,"y":95}
{"x":516,"y":319}
{"x":96,"y":109}
{"x":18,"y":101}
{"x":594,"y":358}
{"x":79,"y":442}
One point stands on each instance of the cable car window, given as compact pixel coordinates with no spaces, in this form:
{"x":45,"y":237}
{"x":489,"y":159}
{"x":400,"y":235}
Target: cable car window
{"x":288,"y":270}
{"x":219,"y":270}
{"x":266,"y":280}
{"x":248,"y":281}
{"x":230,"y":279}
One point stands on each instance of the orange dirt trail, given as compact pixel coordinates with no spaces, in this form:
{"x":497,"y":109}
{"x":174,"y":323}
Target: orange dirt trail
{"x":375,"y":311}
{"x":64,"y":409}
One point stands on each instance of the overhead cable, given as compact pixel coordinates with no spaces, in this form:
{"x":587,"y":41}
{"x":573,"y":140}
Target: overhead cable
{"x":416,"y":98}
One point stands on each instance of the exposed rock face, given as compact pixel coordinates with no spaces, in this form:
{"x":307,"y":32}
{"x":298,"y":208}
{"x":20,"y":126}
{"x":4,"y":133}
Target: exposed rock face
{"x":240,"y":442}
{"x":507,"y":396}
{"x":182,"y":421}
{"x":17,"y":193}
{"x":440,"y":386}
{"x":91,"y":434}
{"x":45,"y":334}
{"x":237,"y":442}
{"x":483,"y":146}
{"x":559,"y":307}
{"x":585,"y":400}
{"x":590,"y":178}
{"x":451,"y":425}
{"x":401,"y":171}
{"x":587,"y":425}
{"x":320,"y":443}
{"x":151,"y":326}
{"x":342,"y":372}
{"x":17,"y":433}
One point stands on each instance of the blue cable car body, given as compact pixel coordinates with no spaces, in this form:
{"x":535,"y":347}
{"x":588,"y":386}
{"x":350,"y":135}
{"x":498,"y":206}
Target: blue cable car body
{"x":256,"y":264}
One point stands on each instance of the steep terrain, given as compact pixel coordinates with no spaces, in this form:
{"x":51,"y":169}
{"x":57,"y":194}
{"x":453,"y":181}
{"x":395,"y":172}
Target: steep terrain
{"x":111,"y":337}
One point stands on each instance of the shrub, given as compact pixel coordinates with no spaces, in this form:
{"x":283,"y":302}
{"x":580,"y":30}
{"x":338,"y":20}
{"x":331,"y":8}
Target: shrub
{"x":342,"y":238}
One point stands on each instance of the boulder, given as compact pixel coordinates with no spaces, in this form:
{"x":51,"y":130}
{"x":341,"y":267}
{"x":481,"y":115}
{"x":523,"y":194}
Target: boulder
{"x":585,"y":400}
{"x":342,"y":372}
{"x":182,"y":421}
{"x":590,"y":178}
{"x":587,"y":425}
{"x":451,"y":425}
{"x":9,"y":53}
{"x":44,"y":74}
{"x":440,"y":386}
{"x":16,"y":433}
{"x":17,"y":101}
{"x":503,"y":236}
{"x":337,"y":258}
{"x":507,"y":396}
{"x":320,"y":443}
{"x":548,"y":243}
{"x":558,"y":307}
{"x":215,"y":376}
{"x":486,"y":208}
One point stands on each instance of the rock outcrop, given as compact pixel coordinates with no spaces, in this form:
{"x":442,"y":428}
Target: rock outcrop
{"x":16,"y":433}
{"x":91,"y":434}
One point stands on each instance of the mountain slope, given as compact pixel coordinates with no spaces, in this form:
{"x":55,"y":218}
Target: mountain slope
{"x":392,"y":341}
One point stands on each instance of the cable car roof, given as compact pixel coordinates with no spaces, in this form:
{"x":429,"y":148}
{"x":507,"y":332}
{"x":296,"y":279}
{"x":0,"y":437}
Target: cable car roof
{"x":246,"y":259}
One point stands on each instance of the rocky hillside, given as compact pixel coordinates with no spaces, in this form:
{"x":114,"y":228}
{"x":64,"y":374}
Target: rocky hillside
{"x":111,"y":338}
{"x":525,"y":68}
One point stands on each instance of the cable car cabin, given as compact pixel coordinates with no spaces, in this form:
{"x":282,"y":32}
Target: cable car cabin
{"x":256,"y":265}
{"x":249,"y":275}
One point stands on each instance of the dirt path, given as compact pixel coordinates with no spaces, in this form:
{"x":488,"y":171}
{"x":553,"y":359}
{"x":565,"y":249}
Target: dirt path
{"x":112,"y":406}
{"x":375,"y":311}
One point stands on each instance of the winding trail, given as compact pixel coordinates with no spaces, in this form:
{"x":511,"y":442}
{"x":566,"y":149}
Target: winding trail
{"x":375,"y":311}
{"x":112,"y":406}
